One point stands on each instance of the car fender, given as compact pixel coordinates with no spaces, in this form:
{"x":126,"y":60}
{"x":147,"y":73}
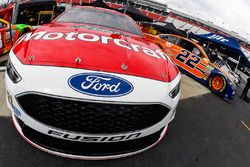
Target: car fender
{"x":230,"y":89}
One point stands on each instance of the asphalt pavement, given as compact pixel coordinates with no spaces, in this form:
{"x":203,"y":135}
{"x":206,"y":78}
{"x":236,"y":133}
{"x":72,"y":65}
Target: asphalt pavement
{"x":207,"y":132}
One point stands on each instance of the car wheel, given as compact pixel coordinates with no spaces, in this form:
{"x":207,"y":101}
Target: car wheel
{"x":218,"y":84}
{"x":25,"y":31}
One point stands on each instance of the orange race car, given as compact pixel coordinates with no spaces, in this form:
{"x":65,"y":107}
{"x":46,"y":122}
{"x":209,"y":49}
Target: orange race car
{"x":193,"y":61}
{"x":7,"y":32}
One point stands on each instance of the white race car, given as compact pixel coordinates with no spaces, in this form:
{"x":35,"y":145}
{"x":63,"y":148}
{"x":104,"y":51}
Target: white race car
{"x":89,"y":85}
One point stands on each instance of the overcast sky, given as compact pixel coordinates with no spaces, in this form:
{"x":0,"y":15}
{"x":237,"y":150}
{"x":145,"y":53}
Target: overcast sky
{"x":3,"y":1}
{"x":231,"y":14}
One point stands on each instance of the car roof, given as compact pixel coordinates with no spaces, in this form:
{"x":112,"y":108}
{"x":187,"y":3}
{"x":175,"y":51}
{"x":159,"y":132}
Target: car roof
{"x":193,"y":42}
{"x":189,"y":40}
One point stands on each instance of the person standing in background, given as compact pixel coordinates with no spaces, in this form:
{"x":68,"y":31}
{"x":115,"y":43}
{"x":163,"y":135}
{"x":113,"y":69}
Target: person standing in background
{"x":244,"y":93}
{"x":214,"y":55}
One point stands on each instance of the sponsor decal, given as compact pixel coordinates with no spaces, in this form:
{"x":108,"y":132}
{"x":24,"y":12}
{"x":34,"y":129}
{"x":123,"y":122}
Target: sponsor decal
{"x":1,"y":42}
{"x":205,"y":77}
{"x":218,"y":38}
{"x":13,"y":32}
{"x":101,"y":85}
{"x":82,"y":138}
{"x":207,"y":72}
{"x":169,"y":45}
{"x":209,"y":68}
{"x":88,"y":37}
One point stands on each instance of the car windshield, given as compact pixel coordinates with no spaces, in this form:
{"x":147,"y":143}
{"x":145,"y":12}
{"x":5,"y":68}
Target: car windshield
{"x":100,"y":18}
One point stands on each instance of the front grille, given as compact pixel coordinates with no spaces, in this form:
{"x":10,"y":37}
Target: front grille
{"x":91,"y":117}
{"x":89,"y":149}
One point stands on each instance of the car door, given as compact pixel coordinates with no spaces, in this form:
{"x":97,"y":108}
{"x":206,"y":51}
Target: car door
{"x":187,"y":56}
{"x":6,"y":35}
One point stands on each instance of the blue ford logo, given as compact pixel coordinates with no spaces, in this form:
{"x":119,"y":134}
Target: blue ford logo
{"x":101,"y":85}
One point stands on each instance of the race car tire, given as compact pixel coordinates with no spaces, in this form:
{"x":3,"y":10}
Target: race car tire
{"x":218,"y":84}
{"x":160,"y":46}
{"x":26,"y":30}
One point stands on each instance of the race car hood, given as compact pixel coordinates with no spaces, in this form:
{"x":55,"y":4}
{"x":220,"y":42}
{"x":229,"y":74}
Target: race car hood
{"x":94,"y":48}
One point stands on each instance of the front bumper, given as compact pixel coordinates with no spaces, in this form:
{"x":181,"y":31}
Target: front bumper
{"x":86,"y":151}
{"x":81,"y":144}
{"x":230,"y":92}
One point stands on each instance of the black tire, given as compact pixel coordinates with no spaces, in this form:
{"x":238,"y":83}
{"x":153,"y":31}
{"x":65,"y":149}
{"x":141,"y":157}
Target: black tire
{"x":160,"y":46}
{"x":218,"y":84}
{"x":26,"y":30}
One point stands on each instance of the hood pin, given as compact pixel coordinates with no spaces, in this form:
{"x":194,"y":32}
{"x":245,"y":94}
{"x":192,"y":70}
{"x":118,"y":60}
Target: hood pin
{"x":124,"y":67}
{"x":163,"y":75}
{"x":31,"y":58}
{"x":78,"y":60}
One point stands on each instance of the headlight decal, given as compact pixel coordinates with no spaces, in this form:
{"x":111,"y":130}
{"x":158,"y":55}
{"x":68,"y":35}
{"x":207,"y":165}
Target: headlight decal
{"x":12,"y":73}
{"x":175,"y":91}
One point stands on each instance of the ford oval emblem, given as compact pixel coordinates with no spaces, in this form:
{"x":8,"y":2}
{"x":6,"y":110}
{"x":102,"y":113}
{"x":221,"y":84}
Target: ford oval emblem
{"x":101,"y":85}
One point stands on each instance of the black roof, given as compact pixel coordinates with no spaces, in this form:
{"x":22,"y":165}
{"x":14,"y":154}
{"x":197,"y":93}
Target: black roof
{"x":100,"y":3}
{"x":32,"y":3}
{"x":131,"y":11}
{"x":97,"y":3}
{"x":166,"y":28}
{"x":136,"y":14}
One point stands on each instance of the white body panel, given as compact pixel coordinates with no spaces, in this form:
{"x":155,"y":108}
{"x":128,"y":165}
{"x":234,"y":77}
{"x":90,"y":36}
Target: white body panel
{"x":53,"y":81}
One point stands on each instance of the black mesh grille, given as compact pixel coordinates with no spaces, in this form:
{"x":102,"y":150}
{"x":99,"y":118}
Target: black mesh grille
{"x":91,"y":117}
{"x":89,"y":149}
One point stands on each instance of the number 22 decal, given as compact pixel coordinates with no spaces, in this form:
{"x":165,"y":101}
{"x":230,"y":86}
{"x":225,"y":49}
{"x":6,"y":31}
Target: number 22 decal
{"x":184,"y":57}
{"x":190,"y":63}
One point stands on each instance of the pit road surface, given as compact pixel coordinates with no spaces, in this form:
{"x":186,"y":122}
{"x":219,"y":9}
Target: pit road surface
{"x":207,"y":132}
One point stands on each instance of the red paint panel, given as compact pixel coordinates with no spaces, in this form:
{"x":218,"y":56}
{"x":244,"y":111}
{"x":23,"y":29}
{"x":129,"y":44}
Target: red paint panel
{"x":95,"y":55}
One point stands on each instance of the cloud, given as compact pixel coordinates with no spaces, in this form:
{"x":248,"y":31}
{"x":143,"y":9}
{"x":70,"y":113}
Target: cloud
{"x":3,"y":1}
{"x":230,"y":14}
